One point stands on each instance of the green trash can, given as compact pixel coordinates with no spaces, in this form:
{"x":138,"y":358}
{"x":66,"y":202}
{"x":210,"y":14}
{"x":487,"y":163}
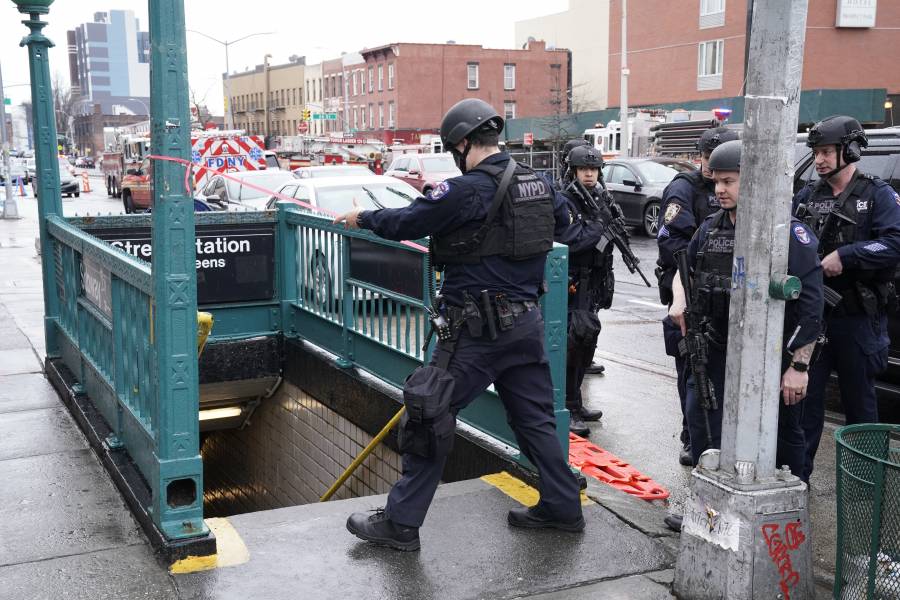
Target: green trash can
{"x":868,"y":512}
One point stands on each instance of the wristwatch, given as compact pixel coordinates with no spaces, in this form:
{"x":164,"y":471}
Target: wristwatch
{"x":800,"y":367}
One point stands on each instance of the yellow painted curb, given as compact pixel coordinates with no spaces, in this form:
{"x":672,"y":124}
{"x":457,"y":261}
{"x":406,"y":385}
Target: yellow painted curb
{"x":520,"y":491}
{"x":230,"y":551}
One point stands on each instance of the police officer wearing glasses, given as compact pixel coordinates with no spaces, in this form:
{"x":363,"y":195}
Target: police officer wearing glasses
{"x":492,"y":248}
{"x":686,"y":202}
{"x":591,"y":280}
{"x":857,"y":220}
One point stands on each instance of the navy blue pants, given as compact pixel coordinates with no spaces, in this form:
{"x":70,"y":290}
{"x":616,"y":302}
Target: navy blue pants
{"x":790,"y":447}
{"x":857,"y":349}
{"x":517,"y":366}
{"x":671,"y":336}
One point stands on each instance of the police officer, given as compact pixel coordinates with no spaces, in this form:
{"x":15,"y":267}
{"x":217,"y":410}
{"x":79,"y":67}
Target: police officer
{"x":564,"y":173}
{"x":482,"y":259}
{"x":591,"y":280}
{"x":857,"y":220}
{"x":710,"y":256}
{"x":686,"y":202}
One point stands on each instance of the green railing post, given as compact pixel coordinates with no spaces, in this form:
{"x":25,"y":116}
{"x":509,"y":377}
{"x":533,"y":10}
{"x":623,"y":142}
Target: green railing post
{"x":178,"y":483}
{"x":47,"y":164}
{"x":555,"y":302}
{"x":345,"y":361}
{"x":286,"y":269}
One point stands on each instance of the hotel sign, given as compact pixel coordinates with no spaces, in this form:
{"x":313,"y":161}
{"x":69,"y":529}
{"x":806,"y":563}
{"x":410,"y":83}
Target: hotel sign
{"x":856,"y":13}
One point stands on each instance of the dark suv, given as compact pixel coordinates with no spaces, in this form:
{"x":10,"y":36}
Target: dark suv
{"x":881,"y":158}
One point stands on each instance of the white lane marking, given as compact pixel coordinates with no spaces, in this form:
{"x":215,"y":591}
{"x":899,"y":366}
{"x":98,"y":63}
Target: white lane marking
{"x":646,"y":303}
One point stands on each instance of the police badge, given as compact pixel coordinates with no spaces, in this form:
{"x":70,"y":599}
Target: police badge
{"x":672,"y":211}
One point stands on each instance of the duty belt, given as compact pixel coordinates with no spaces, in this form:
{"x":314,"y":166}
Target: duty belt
{"x":492,"y":315}
{"x":456,"y":313}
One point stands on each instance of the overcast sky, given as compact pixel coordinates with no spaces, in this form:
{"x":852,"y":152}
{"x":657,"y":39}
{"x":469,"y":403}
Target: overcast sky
{"x":318,"y":30}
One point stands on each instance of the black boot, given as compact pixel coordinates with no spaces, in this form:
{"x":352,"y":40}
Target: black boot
{"x":577,"y":426}
{"x":377,"y":528}
{"x":535,"y":517}
{"x":685,"y":457}
{"x":591,"y":415}
{"x":594,"y":369}
{"x":673,"y":522}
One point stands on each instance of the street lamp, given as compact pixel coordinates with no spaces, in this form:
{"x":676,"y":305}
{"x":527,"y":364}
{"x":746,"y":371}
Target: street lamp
{"x":889,"y":106}
{"x":142,"y":103}
{"x":230,"y":113}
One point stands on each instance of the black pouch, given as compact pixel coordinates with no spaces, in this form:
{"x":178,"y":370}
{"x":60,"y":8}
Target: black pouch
{"x":869,"y":302}
{"x":427,"y":439}
{"x":584,"y":328}
{"x":664,"y":277}
{"x":426,"y":395}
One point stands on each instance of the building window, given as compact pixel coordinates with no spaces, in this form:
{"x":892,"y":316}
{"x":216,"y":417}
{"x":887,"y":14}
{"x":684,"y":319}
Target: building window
{"x":509,"y":77}
{"x":509,"y":110}
{"x":709,"y":65}
{"x":381,"y":116}
{"x":391,"y":115}
{"x":390,"y":76}
{"x":355,"y":83}
{"x":472,"y":70}
{"x":712,"y":13}
{"x":362,"y":117}
{"x":355,"y":119}
{"x":380,"y":77}
{"x":371,"y":79}
{"x":371,"y":117}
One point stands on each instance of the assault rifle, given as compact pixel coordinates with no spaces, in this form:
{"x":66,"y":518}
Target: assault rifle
{"x":694,"y":346}
{"x":829,"y":227}
{"x":611,"y":215}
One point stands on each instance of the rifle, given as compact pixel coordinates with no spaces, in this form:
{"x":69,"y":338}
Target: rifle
{"x":612,"y":217}
{"x":694,"y":345}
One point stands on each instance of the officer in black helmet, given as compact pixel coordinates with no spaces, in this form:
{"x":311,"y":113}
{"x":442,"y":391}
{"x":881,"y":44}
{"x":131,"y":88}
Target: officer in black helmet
{"x":857,"y":220}
{"x":490,"y":287}
{"x":591,"y":281}
{"x":688,"y":199}
{"x":710,"y":255}
{"x":563,"y":159}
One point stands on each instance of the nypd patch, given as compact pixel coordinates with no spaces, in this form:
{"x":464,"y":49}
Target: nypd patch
{"x":440,"y":190}
{"x":672,"y":211}
{"x":801,"y":234}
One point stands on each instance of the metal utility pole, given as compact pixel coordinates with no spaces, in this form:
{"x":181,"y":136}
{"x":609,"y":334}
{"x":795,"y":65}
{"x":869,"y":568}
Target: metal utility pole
{"x":625,"y":126}
{"x":267,"y":100}
{"x":746,"y":524}
{"x":10,"y":208}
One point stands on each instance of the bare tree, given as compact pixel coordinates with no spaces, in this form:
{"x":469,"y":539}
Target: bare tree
{"x":65,"y":103}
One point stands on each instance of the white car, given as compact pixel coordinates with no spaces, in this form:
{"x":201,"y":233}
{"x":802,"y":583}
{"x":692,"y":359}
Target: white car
{"x":332,"y":171}
{"x":337,"y":195}
{"x":243,"y":190}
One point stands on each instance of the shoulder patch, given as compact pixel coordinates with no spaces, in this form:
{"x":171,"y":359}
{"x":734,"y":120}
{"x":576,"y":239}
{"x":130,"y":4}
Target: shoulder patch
{"x":672,"y":211}
{"x":440,"y":190}
{"x":801,"y":234}
{"x":897,"y":198}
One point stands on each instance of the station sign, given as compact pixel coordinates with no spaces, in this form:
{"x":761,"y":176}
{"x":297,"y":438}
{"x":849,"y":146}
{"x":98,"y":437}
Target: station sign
{"x":235,"y":262}
{"x":856,"y":13}
{"x":96,"y":285}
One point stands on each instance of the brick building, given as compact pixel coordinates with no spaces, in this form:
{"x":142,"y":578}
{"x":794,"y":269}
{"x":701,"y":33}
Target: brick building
{"x":699,"y":53}
{"x":268,"y":99}
{"x":403,"y":90}
{"x":87,"y":129}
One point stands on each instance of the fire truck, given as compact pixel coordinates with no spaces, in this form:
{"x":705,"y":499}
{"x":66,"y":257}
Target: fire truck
{"x":127,"y":153}
{"x":212,"y":151}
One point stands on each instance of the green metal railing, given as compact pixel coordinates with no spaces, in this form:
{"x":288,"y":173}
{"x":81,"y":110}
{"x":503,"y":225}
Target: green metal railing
{"x":332,"y":301}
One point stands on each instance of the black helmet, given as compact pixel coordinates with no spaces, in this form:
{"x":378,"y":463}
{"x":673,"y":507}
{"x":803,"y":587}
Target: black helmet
{"x":585,"y":156}
{"x":842,"y":131}
{"x":711,"y":138}
{"x":726,"y":157}
{"x":571,"y":145}
{"x":467,"y":116}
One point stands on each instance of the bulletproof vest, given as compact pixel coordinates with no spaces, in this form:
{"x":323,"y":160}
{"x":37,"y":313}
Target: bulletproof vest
{"x":704,"y":201}
{"x":712,"y":285}
{"x":834,"y":232}
{"x":522,"y":229}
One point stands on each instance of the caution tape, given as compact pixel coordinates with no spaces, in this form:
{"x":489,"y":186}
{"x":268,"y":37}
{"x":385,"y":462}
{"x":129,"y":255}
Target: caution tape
{"x":189,"y":166}
{"x":594,"y":461}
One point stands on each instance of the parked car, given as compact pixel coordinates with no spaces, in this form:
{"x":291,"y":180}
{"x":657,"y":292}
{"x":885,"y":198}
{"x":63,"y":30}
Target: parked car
{"x":332,"y":171}
{"x":69,"y":185}
{"x":17,"y":169}
{"x":386,"y":267}
{"x":881,"y":158}
{"x":251,"y":191}
{"x":30,"y":167}
{"x":637,"y":185}
{"x":423,"y":171}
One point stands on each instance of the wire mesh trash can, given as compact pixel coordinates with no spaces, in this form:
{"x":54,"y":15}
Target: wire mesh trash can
{"x":868,"y":512}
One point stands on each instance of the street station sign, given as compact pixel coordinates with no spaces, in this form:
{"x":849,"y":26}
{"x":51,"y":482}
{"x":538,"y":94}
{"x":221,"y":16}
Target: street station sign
{"x":529,"y":139}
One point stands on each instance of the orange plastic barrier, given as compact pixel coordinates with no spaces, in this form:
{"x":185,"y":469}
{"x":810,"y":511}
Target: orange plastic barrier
{"x":604,"y":466}
{"x":85,"y":182}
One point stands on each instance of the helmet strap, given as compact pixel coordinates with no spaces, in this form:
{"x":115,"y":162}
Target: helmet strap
{"x":460,"y":157}
{"x":840,"y":167}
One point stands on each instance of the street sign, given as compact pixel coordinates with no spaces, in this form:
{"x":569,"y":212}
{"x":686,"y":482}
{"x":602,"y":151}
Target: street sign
{"x":529,"y":139}
{"x":324,"y":116}
{"x":331,"y":116}
{"x":302,"y":127}
{"x":7,"y":101}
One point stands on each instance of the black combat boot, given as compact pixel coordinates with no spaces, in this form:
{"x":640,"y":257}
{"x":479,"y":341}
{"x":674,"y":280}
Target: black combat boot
{"x":591,"y":415}
{"x":577,"y":426}
{"x":594,"y":369}
{"x":685,"y":457}
{"x":536,"y":517}
{"x":376,"y":527}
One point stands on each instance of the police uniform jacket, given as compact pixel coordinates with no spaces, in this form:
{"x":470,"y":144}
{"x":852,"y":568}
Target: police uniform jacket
{"x":686,"y":202}
{"x":464,"y":200}
{"x":802,"y":317}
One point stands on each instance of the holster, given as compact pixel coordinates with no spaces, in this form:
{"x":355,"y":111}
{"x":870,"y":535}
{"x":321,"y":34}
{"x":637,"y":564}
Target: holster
{"x":584,"y":328}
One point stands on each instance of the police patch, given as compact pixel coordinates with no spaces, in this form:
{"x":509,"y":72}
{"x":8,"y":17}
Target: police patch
{"x":801,"y":234}
{"x":862,"y":205}
{"x":440,"y":190}
{"x":672,"y":211}
{"x":897,"y":198}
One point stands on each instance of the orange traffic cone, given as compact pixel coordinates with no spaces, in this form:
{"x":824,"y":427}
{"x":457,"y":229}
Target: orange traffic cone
{"x":85,"y":182}
{"x":21,"y":186}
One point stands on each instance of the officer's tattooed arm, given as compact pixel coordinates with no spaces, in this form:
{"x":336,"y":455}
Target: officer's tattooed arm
{"x":793,"y":382}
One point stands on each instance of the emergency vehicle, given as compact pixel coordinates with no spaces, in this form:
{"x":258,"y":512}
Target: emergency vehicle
{"x":127,"y":154}
{"x":212,"y":151}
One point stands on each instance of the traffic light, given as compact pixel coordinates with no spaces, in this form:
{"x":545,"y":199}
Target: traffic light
{"x":307,"y":114}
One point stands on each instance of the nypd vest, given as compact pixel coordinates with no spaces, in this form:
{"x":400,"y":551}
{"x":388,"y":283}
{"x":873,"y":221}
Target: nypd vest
{"x":522,"y":229}
{"x":704,"y":201}
{"x":712,"y":285}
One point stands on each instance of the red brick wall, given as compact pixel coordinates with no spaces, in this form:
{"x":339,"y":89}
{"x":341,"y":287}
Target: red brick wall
{"x":430,"y":78}
{"x":663,"y":38}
